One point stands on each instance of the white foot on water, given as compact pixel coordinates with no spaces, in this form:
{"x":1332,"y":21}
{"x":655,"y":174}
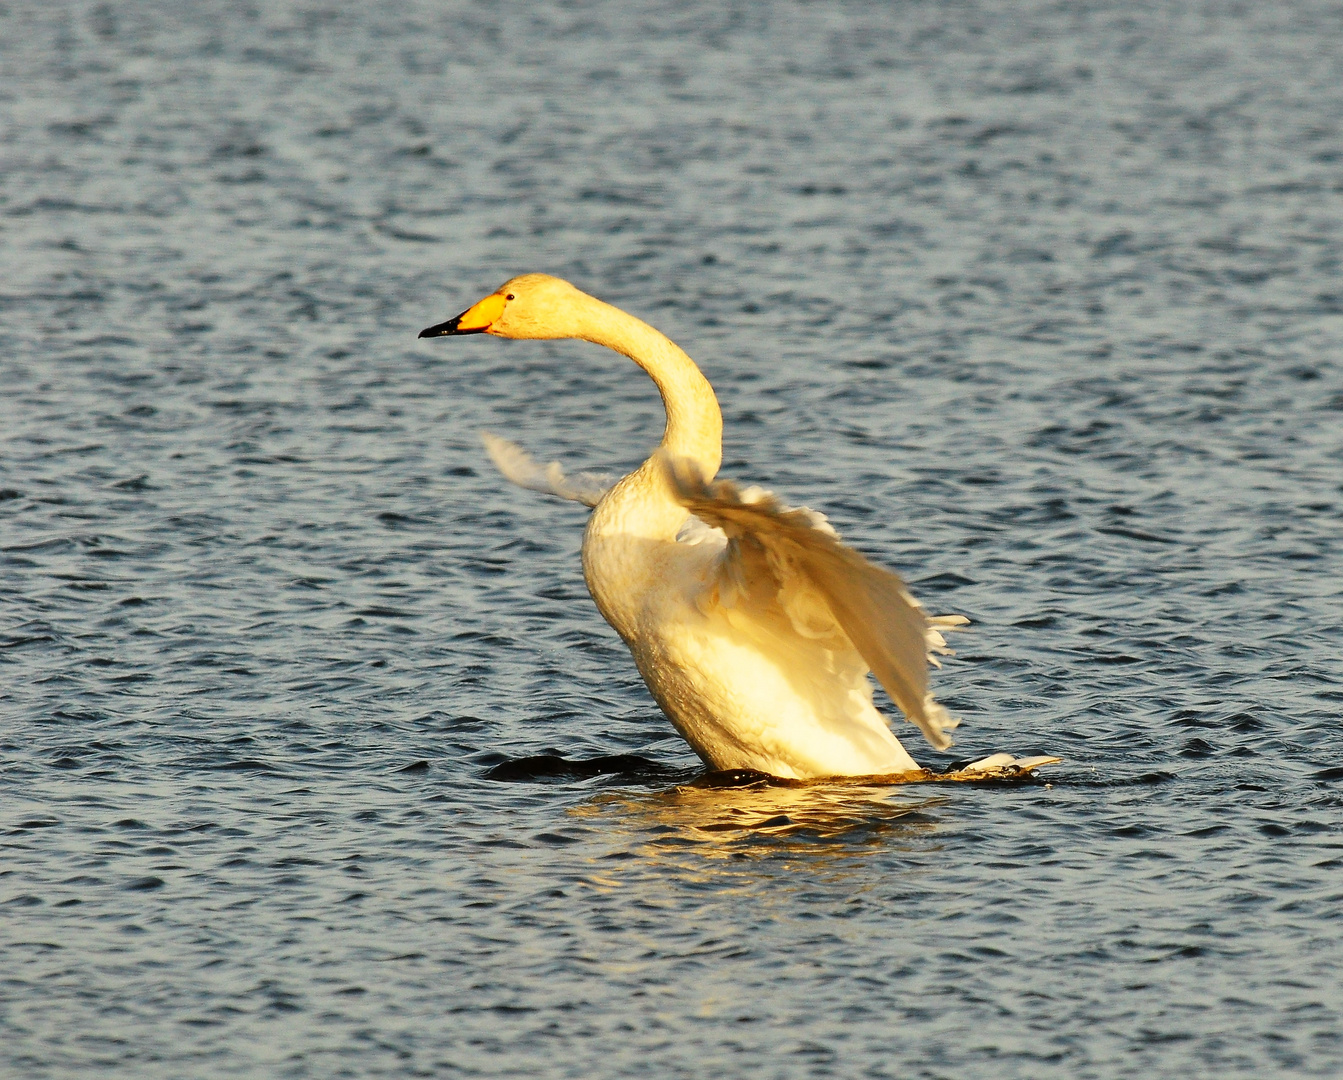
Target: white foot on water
{"x":1006,"y":763}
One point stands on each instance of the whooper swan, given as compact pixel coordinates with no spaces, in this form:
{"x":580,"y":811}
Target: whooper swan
{"x":752,"y":625}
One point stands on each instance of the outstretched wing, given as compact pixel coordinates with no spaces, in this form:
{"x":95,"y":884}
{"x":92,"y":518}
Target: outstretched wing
{"x":522,"y":469}
{"x":828,"y":591}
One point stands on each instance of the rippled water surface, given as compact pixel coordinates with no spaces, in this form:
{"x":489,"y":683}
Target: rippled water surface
{"x":1041,"y":303}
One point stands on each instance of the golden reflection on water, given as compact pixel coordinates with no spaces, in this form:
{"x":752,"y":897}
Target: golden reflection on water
{"x":726,"y":815}
{"x":745,"y":832}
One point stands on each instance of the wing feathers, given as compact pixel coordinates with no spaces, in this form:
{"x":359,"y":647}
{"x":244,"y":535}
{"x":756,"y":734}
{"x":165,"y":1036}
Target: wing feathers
{"x":522,"y":469}
{"x":871,"y":605}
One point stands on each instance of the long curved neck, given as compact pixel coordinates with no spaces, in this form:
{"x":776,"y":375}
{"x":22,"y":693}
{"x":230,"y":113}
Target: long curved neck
{"x":694,"y":421}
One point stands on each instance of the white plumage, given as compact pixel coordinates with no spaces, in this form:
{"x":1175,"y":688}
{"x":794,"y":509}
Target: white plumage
{"x":753,"y":626}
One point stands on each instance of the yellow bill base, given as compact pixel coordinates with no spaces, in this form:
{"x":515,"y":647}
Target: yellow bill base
{"x":482,"y":315}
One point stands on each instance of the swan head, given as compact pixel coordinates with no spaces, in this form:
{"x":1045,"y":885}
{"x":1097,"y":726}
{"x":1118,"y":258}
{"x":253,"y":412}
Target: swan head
{"x":527,"y":306}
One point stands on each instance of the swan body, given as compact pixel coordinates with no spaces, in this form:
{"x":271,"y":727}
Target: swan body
{"x":753,"y":626}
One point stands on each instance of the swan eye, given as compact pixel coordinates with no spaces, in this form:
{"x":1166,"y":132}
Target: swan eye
{"x":509,"y":296}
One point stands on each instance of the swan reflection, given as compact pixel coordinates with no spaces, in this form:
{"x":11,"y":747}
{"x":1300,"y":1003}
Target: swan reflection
{"x":716,"y":812}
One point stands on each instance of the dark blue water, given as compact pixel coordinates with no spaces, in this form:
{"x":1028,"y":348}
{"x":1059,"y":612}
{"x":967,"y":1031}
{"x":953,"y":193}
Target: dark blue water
{"x":1040,"y":303}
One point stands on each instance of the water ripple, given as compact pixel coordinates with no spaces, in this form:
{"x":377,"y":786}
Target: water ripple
{"x":306,"y":717}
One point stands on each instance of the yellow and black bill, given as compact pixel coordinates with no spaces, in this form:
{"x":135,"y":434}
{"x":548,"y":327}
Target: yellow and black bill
{"x":477,"y":319}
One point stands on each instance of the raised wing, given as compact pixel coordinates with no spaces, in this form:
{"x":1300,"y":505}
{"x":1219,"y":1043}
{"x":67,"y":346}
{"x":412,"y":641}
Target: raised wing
{"x":827,"y":590}
{"x":522,"y":469}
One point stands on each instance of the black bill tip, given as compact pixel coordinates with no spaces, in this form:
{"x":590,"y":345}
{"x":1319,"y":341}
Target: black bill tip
{"x":447,"y":329}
